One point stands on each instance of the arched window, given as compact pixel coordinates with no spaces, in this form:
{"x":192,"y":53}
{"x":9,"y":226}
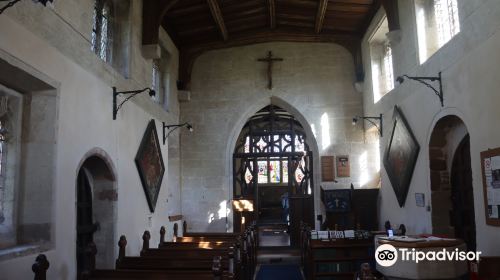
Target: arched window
{"x":102,"y":29}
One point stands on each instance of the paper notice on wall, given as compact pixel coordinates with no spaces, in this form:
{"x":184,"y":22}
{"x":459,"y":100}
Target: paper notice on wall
{"x":494,"y":212}
{"x":496,"y":197}
{"x":495,"y":163}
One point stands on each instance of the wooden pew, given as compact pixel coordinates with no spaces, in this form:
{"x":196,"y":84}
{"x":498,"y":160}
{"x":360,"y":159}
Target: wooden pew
{"x":164,"y":265}
{"x":202,"y":256}
{"x":40,"y":267}
{"x":185,"y":233}
{"x":245,"y":257}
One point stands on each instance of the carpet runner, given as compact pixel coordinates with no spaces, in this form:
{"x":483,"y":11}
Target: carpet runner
{"x":278,"y":272}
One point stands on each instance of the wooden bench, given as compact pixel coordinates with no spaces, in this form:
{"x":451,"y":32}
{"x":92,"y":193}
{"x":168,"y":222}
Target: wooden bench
{"x":168,"y":263}
{"x":203,"y":256}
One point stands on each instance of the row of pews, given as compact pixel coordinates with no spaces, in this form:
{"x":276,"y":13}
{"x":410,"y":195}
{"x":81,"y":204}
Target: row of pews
{"x":193,"y":256}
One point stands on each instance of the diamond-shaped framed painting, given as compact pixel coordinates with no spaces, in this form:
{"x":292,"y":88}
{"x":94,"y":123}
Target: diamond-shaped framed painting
{"x":400,"y":156}
{"x":149,"y":162}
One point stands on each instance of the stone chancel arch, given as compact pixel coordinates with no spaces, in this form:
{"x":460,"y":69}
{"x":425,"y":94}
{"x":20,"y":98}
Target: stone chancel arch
{"x":273,"y":171}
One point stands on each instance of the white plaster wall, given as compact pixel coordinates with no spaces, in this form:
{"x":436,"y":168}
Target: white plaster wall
{"x":39,"y":39}
{"x":470,"y":88}
{"x":229,"y":86}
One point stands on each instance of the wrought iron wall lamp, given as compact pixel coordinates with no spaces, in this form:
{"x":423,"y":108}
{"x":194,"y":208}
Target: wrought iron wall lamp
{"x":369,"y":119}
{"x":174,"y":127}
{"x":132,"y":94}
{"x":13,"y":2}
{"x":423,"y":80}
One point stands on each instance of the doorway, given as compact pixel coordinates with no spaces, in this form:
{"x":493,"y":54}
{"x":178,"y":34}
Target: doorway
{"x":96,"y":205}
{"x":85,"y":226}
{"x":452,"y":197}
{"x":272,"y":168}
{"x":462,"y":196}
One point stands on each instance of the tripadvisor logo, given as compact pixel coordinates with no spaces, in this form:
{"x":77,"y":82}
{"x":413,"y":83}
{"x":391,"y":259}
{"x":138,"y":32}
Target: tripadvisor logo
{"x":387,"y":255}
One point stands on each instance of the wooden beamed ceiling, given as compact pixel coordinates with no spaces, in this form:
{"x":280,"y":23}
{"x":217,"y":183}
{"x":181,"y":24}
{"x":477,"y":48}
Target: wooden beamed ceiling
{"x":197,"y":26}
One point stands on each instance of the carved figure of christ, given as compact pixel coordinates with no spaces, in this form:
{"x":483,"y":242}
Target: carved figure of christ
{"x":270,"y":60}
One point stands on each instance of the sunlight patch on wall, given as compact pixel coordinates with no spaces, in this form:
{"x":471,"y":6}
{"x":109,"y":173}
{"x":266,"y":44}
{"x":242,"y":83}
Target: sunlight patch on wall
{"x":223,"y":210}
{"x":325,"y":131}
{"x":363,"y":168}
{"x":211,"y":218}
{"x":313,"y":128}
{"x":375,"y":81}
{"x":422,"y":44}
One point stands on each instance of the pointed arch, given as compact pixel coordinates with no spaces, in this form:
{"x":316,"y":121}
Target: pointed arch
{"x":240,"y":122}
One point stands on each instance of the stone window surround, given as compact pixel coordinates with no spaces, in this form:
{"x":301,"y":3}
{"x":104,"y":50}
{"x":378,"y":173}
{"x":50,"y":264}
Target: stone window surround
{"x":39,"y":80}
{"x":380,"y":47}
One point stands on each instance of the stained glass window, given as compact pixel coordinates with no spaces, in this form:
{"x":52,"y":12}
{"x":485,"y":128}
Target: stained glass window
{"x":247,"y":144}
{"x":299,"y":175}
{"x":248,"y":176}
{"x":262,"y":145}
{"x":446,"y":12}
{"x":274,"y":171}
{"x":276,"y":143}
{"x":285,"y":171}
{"x":263,"y":171}
{"x":286,"y":144}
{"x":299,"y":144}
{"x":156,"y":80}
{"x":102,"y":29}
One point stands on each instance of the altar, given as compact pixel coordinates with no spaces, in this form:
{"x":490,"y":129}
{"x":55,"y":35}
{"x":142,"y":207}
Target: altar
{"x":407,"y":268}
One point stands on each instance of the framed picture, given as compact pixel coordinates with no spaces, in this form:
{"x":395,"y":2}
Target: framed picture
{"x":150,"y":165}
{"x":490,"y":165}
{"x":400,"y":156}
{"x":420,"y":199}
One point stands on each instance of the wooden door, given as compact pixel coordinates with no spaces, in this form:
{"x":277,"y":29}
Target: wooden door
{"x":462,"y":215}
{"x":84,"y":226}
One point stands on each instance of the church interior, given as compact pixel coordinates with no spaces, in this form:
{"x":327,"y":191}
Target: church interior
{"x":256,"y":139}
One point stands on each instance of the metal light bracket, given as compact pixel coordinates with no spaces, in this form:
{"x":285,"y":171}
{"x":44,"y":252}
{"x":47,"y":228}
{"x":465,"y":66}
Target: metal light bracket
{"x":174,"y":127}
{"x":380,"y":118}
{"x":423,"y":80}
{"x":132,"y":93}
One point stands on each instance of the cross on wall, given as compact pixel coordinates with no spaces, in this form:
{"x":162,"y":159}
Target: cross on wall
{"x":270,"y":60}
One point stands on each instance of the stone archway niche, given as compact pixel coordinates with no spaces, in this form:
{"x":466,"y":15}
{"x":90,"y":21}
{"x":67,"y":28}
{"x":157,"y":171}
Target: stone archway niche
{"x":101,"y":175}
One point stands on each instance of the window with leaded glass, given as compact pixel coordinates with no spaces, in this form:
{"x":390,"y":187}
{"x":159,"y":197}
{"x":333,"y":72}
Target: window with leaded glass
{"x":275,"y":143}
{"x":437,"y":23}
{"x":102,"y":29}
{"x":381,"y":61}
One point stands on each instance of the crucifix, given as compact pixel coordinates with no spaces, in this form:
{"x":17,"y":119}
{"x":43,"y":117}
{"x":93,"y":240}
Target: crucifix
{"x":270,"y":60}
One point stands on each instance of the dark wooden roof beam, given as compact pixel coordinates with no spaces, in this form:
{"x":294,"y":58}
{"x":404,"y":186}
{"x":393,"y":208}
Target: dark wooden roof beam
{"x":247,"y":13}
{"x":354,"y":2}
{"x":194,"y":31}
{"x":236,"y":30}
{"x":300,"y":3}
{"x":237,"y":6}
{"x":334,"y":7}
{"x":247,"y":20}
{"x":296,"y":23}
{"x":293,"y":16}
{"x":320,"y":15}
{"x":217,"y":15}
{"x":271,"y":4}
{"x":188,"y":10}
